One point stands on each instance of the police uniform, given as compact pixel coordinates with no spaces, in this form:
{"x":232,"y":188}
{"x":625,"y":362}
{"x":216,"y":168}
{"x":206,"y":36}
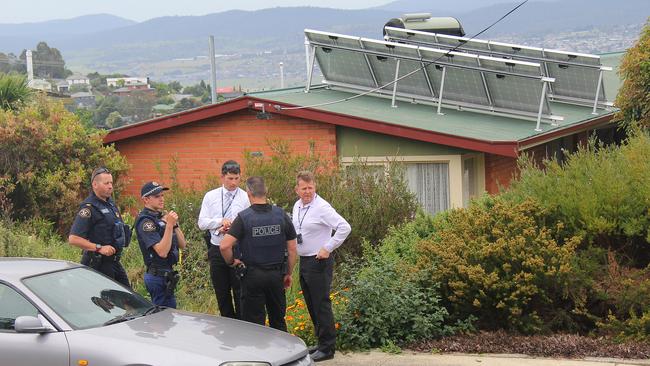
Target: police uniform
{"x":160,"y":277}
{"x":100,"y":222}
{"x":262,"y":232}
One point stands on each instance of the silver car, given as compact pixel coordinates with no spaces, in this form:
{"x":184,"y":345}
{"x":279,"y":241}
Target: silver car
{"x":59,"y":313}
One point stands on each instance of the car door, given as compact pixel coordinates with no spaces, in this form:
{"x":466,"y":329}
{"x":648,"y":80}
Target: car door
{"x":23,"y":349}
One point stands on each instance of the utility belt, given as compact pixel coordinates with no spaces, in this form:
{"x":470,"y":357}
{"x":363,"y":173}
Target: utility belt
{"x":269,"y":267}
{"x":170,"y":276}
{"x":95,"y":259}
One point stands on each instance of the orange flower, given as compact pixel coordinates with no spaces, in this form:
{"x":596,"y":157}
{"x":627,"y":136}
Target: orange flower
{"x":300,"y":292}
{"x":337,"y":325}
{"x":288,"y":318}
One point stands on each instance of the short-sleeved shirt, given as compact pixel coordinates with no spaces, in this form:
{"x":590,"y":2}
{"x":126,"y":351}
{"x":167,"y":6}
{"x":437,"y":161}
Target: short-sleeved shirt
{"x":95,"y":220}
{"x":150,"y":228}
{"x":237,"y":227}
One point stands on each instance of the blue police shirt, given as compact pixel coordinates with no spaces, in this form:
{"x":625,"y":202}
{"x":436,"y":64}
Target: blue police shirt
{"x":95,"y":220}
{"x":150,"y":229}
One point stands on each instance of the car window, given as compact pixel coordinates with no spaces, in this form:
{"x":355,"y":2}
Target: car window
{"x":85,"y":298}
{"x":13,"y":305}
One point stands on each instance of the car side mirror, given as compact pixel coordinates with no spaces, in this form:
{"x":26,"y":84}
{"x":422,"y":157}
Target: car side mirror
{"x":30,"y":324}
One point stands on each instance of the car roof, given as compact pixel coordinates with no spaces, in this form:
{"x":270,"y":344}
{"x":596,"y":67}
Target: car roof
{"x":17,"y":268}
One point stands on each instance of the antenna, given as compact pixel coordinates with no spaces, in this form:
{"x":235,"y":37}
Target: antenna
{"x":281,"y":75}
{"x":213,"y":72}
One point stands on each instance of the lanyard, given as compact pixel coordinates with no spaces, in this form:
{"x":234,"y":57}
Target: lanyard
{"x":224,"y":212}
{"x":303,"y":218}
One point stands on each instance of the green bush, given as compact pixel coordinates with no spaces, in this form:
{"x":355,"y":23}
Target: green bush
{"x":600,"y":192}
{"x":634,"y":328}
{"x":504,"y":263}
{"x":385,"y":309}
{"x":47,"y":159}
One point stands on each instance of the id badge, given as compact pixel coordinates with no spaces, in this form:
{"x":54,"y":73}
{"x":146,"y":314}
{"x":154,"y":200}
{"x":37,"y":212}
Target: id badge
{"x":299,"y":238}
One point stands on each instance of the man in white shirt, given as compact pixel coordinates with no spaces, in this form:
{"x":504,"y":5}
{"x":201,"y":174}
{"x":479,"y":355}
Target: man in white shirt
{"x":219,"y":209}
{"x":314,"y":220}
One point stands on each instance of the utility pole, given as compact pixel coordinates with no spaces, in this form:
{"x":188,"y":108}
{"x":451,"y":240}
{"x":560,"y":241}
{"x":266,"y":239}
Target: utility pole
{"x":213,"y":72}
{"x":281,"y":75}
{"x":30,"y":65}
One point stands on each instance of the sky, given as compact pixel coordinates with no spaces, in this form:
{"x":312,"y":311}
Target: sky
{"x":24,"y":11}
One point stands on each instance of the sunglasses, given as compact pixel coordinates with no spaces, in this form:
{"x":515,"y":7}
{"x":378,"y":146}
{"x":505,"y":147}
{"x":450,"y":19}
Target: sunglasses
{"x":98,"y":172}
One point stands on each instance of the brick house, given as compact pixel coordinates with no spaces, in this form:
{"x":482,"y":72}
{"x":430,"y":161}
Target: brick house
{"x":449,"y":158}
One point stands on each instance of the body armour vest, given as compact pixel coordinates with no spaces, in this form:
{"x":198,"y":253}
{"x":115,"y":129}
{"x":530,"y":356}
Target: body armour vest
{"x":264,"y":241}
{"x":108,"y":229}
{"x":151,"y":258}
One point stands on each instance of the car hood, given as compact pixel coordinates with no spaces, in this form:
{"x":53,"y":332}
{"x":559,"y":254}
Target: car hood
{"x":174,"y":337}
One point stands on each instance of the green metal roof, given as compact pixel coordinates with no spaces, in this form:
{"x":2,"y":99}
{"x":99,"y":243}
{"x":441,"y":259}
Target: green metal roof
{"x":462,"y":123}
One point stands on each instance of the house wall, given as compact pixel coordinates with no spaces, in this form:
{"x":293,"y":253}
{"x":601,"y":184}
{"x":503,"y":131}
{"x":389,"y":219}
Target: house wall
{"x":499,"y":171}
{"x":352,"y":142}
{"x":201,"y":147}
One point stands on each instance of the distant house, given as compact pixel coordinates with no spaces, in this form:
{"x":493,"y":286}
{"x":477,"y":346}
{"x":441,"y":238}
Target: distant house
{"x":229,"y":93}
{"x":77,"y":79}
{"x":40,"y":84}
{"x":126,"y":91}
{"x":162,"y":109}
{"x":127,"y":82}
{"x":62,"y":86}
{"x":84,"y":99}
{"x":178,"y":97}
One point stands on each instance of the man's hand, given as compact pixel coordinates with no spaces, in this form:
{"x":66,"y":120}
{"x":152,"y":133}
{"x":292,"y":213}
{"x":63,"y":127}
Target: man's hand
{"x":171,"y":218}
{"x":322,"y":254}
{"x":107,"y":250}
{"x":225,"y":225}
{"x":235,"y":263}
{"x":287,"y":281}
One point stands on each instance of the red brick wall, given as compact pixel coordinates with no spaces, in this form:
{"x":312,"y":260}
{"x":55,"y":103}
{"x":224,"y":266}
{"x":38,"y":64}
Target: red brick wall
{"x":499,"y":170}
{"x":201,"y":147}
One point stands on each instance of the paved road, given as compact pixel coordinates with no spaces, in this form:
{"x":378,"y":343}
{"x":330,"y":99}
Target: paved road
{"x":377,"y":358}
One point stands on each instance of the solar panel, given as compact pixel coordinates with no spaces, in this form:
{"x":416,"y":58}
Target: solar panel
{"x":459,"y":79}
{"x":578,"y":77}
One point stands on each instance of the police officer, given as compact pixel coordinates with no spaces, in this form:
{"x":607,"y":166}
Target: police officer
{"x":160,"y":238}
{"x":98,"y":229}
{"x":267,"y":242}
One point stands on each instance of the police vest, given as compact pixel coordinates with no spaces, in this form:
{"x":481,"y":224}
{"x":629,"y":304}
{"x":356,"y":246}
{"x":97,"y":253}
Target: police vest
{"x":264,"y":241}
{"x":149,"y":254}
{"x":109,"y":230}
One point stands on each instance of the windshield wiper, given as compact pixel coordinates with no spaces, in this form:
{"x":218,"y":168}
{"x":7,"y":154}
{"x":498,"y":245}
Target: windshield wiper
{"x":154,"y":309}
{"x":121,"y":318}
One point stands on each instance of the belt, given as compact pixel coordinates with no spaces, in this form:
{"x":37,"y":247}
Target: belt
{"x":158,"y":271}
{"x":270,"y":267}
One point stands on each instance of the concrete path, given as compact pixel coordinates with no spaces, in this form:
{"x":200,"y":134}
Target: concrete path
{"x":378,"y":358}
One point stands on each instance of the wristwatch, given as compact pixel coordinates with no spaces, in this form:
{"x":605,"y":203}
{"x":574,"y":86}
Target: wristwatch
{"x":98,"y":247}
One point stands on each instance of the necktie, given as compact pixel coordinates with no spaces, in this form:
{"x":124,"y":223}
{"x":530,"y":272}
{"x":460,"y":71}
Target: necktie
{"x":227,"y":202}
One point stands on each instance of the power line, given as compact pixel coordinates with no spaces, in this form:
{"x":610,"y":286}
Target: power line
{"x":424,"y":65}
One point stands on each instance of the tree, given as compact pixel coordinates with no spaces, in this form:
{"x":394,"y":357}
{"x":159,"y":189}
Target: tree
{"x":10,"y":63}
{"x":46,"y":157}
{"x":137,"y":105}
{"x":14,"y":91}
{"x":48,"y":62}
{"x":105,"y":107}
{"x":186,"y":103}
{"x":114,"y":120}
{"x":634,"y":96}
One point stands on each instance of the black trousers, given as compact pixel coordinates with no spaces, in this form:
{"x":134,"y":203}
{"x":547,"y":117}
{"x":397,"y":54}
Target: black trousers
{"x":316,"y":283}
{"x":108,"y":266}
{"x":226,"y":285}
{"x":262,"y":292}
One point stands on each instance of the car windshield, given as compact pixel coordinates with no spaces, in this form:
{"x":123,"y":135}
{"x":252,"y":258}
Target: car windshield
{"x":87,"y":299}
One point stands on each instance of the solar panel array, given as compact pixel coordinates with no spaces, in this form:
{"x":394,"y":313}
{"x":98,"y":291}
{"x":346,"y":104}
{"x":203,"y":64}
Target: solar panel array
{"x":460,"y":79}
{"x":578,"y":77}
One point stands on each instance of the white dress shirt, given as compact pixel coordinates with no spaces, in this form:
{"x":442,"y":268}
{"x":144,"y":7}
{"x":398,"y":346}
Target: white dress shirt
{"x":315,"y":222}
{"x":213,"y":210}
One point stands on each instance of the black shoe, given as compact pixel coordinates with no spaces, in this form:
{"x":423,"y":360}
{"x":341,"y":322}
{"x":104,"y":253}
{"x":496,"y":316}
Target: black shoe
{"x":322,"y":356}
{"x":312,"y":349}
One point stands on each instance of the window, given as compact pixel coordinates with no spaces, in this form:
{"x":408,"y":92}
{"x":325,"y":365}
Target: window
{"x":13,"y":305}
{"x":430,"y":184}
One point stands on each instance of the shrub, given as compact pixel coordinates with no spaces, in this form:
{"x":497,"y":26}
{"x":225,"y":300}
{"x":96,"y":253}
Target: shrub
{"x":504,"y":263}
{"x":601,"y":193}
{"x":47,"y":153}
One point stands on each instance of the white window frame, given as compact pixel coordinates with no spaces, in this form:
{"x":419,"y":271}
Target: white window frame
{"x":455,"y":164}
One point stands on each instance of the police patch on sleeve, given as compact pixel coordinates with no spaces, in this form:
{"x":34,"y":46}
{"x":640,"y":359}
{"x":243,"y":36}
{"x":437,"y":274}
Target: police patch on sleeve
{"x":84,"y":213}
{"x":148,"y":225}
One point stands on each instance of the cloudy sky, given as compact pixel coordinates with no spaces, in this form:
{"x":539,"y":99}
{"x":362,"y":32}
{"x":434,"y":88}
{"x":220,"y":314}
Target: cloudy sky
{"x":21,"y":11}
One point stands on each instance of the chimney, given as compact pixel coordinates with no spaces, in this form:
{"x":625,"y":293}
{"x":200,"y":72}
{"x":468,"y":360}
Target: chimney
{"x":30,"y":66}
{"x":281,"y":75}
